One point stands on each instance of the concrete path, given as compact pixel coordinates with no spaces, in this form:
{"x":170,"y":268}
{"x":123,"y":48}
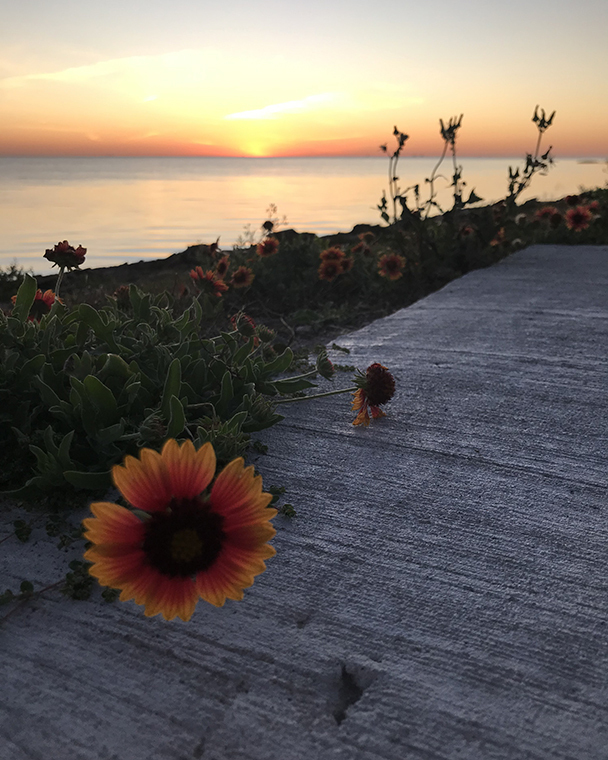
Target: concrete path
{"x":441,"y":595}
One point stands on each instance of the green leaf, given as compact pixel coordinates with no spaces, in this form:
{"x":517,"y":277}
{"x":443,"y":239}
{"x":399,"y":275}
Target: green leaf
{"x":243,"y":352}
{"x":31,"y":367}
{"x":173,"y":383}
{"x":233,"y":426}
{"x":177,"y":420}
{"x":25,"y":298}
{"x":226,"y":394}
{"x":89,"y":481}
{"x":280,"y":364}
{"x":102,"y":397}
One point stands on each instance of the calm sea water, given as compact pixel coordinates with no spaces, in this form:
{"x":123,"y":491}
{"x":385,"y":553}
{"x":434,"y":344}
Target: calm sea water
{"x":128,"y":209}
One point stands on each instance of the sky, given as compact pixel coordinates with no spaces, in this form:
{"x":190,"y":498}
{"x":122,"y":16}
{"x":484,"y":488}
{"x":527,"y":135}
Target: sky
{"x":314,"y":78}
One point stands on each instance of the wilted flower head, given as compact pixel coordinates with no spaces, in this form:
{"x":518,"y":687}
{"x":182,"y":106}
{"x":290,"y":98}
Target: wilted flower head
{"x":375,"y":388}
{"x":466,"y":231}
{"x":578,"y":218}
{"x":267,"y":247}
{"x":42,"y":304}
{"x":391,"y":265}
{"x":571,"y":200}
{"x":366,"y":237}
{"x":324,"y":365}
{"x":65,"y":255}
{"x":187,"y":540}
{"x":242,"y":277}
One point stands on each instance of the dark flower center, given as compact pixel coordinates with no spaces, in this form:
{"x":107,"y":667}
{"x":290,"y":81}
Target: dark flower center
{"x":184,"y":539}
{"x":379,"y":386}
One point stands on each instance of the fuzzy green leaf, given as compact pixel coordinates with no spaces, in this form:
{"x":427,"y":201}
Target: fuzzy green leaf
{"x":25,"y":298}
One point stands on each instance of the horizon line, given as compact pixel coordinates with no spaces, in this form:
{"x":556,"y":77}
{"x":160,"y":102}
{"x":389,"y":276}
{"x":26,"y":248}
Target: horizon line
{"x":596,"y":157}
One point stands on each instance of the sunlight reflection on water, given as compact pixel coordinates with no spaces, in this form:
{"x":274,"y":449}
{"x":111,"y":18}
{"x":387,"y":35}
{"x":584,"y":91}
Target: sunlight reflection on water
{"x":127,"y":209}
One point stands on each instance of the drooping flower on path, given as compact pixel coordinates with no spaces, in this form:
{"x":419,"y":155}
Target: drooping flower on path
{"x":42,"y":304}
{"x":65,"y":255}
{"x":374,"y":388}
{"x":578,"y":218}
{"x":185,"y":541}
{"x":267,"y":247}
{"x":391,"y":265}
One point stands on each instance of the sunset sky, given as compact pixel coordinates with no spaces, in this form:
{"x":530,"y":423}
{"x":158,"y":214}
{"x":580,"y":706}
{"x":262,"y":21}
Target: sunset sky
{"x":322,"y":77}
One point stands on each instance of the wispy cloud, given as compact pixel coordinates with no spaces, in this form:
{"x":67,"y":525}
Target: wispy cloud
{"x":115,"y":66}
{"x":289,"y":106}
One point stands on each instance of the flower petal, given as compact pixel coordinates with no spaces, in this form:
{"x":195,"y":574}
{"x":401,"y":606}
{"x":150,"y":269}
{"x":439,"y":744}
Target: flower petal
{"x":236,"y":487}
{"x":113,"y":524}
{"x":189,"y":471}
{"x":144,"y":482}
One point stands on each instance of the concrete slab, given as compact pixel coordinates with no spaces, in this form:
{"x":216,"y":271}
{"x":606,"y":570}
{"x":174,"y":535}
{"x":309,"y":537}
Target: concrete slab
{"x":442,"y":593}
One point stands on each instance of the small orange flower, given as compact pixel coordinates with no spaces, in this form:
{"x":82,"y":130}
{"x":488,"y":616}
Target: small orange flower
{"x":329,"y":269}
{"x":375,"y":387}
{"x":578,"y":218}
{"x":332,"y":254}
{"x":42,"y":304}
{"x":593,"y":206}
{"x":267,"y":247}
{"x":186,"y":541}
{"x":242,"y":278}
{"x":390,"y":265}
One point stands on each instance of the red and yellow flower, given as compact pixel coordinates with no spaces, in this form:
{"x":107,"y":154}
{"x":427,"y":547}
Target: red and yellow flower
{"x":42,"y":304}
{"x":329,"y":269}
{"x":391,"y":265}
{"x":242,"y":277}
{"x":375,"y":388}
{"x":332,"y":254}
{"x":209,"y":279}
{"x":578,"y":218}
{"x":186,"y":542}
{"x":267,"y":247}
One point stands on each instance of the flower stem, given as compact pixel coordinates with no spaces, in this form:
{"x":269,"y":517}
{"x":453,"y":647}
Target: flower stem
{"x":316,"y":395}
{"x":58,"y":283}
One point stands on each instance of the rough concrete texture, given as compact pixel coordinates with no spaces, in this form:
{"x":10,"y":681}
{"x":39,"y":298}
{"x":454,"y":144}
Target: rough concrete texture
{"x":441,"y":594}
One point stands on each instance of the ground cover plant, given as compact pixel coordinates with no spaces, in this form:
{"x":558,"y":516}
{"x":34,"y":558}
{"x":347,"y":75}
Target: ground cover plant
{"x":159,"y":389}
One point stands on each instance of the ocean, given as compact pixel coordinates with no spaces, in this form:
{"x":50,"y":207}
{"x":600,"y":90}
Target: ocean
{"x":129,"y":209}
